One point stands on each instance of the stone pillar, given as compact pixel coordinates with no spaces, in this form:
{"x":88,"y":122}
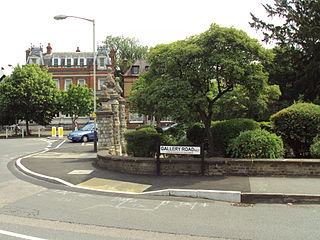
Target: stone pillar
{"x":111,"y":117}
{"x":123,"y":124}
{"x":116,"y":128}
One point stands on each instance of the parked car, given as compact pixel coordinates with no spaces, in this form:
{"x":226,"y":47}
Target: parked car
{"x":85,"y":134}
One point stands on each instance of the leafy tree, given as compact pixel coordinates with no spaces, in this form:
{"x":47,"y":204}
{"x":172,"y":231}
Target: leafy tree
{"x":77,"y":101}
{"x":29,"y":93}
{"x":186,"y":78}
{"x":127,"y":51}
{"x":296,"y":67}
{"x":241,"y":103}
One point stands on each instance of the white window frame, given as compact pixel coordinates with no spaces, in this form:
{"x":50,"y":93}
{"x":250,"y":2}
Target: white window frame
{"x":69,"y":59}
{"x":66,"y":86}
{"x":81,"y":80}
{"x":57,"y":83}
{"x":101,"y":81}
{"x":84,"y":62}
{"x":100,"y":59}
{"x":53,"y":62}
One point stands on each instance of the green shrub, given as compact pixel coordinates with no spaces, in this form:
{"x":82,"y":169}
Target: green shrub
{"x":224,"y":131}
{"x":315,"y":147}
{"x":265,"y":126}
{"x":142,"y":142}
{"x":196,"y":133}
{"x":184,"y":141}
{"x":256,"y":144}
{"x":168,"y":139}
{"x":297,"y":125}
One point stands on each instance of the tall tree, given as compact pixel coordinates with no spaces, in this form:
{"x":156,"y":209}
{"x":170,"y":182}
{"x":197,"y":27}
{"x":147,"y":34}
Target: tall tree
{"x":77,"y":101}
{"x":127,"y":50}
{"x":186,"y":78}
{"x":298,"y":36}
{"x":29,"y":93}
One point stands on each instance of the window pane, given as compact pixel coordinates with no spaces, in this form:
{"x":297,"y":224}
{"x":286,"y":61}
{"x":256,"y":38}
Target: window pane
{"x":75,"y":61}
{"x":63,"y":62}
{"x":81,"y":62}
{"x":68,"y":62}
{"x":102,"y":64}
{"x":101,"y":82}
{"x":67,"y":84}
{"x":56,"y":81}
{"x":81,"y":82}
{"x":55,"y":62}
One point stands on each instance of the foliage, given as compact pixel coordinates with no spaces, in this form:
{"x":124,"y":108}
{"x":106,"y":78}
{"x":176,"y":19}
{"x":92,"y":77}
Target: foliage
{"x":30,"y":94}
{"x":142,"y":142}
{"x":315,"y":147}
{"x":196,"y":133}
{"x":127,"y":51}
{"x":296,"y":67}
{"x":256,"y":144}
{"x":186,"y":78}
{"x":77,"y":101}
{"x":247,"y":104}
{"x":224,"y":131}
{"x":265,"y":126}
{"x":298,"y":125}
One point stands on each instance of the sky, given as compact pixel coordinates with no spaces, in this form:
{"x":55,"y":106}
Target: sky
{"x":152,"y":22}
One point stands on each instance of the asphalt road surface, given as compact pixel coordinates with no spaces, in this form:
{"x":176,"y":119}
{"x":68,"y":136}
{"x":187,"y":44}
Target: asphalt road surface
{"x":34,"y":209}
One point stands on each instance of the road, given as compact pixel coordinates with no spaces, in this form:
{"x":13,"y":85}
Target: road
{"x":33,"y":209}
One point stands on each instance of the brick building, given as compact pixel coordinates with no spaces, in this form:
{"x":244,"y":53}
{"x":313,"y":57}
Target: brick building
{"x":71,"y":67}
{"x":130,"y":77}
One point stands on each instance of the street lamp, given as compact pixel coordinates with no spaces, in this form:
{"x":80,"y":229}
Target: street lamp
{"x":61,"y":17}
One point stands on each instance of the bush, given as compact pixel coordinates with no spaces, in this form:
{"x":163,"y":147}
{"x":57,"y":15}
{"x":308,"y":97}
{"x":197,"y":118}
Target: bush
{"x":265,"y":126}
{"x":224,"y":131}
{"x":297,"y":125}
{"x":315,"y":147}
{"x":256,"y":144}
{"x":196,"y":133}
{"x":142,"y":142}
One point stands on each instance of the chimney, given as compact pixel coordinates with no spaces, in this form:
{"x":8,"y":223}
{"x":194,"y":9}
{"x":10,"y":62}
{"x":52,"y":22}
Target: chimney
{"x":27,"y":53}
{"x":78,"y":49}
{"x":49,"y":49}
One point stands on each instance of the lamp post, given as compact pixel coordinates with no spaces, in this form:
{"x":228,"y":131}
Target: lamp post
{"x":61,"y":17}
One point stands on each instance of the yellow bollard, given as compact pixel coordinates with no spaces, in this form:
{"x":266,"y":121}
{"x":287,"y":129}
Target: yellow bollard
{"x":54,"y":131}
{"x":60,"y":132}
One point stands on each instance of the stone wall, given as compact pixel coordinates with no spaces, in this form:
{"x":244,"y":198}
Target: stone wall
{"x":213,"y":166}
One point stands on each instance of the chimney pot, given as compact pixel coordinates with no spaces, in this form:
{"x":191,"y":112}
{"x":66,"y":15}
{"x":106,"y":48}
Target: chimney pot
{"x":78,"y":49}
{"x":49,"y":49}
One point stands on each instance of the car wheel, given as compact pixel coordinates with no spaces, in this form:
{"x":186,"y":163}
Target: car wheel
{"x":85,"y":138}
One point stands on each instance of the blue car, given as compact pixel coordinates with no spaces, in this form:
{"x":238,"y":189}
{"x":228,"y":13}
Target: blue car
{"x":85,"y":134}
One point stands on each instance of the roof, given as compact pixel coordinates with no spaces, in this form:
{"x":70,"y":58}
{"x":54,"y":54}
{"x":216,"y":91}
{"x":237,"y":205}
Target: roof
{"x":72,"y":54}
{"x":142,"y":63}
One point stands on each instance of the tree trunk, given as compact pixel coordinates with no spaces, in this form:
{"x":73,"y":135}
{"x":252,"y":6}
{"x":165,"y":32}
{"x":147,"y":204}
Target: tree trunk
{"x":209,"y":137}
{"x":27,"y":128}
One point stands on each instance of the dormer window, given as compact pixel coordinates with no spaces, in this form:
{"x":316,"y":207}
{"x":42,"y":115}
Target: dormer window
{"x":81,"y":62}
{"x":55,"y":62}
{"x":68,"y":62}
{"x":135,"y":70}
{"x":101,"y":62}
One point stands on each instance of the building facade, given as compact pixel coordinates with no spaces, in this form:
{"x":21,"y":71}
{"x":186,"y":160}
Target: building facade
{"x":71,"y":67}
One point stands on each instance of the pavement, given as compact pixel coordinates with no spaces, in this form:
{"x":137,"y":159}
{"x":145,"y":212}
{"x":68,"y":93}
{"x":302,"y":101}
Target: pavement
{"x":72,"y":164}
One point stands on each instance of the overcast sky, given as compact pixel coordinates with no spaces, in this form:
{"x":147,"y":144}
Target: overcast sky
{"x":152,"y":22}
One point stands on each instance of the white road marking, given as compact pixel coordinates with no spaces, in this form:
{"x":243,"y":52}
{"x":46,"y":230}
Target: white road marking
{"x":81,"y":172}
{"x":60,"y":144}
{"x":18,"y":235}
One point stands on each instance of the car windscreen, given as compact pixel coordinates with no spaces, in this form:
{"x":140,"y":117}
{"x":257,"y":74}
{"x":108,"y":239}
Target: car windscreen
{"x":87,"y":127}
